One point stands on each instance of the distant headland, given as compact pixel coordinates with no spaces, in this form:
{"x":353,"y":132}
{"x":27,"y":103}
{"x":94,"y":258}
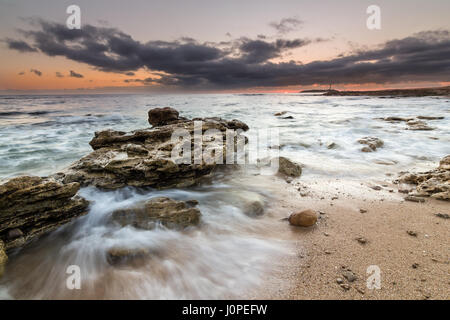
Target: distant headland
{"x":419,"y":92}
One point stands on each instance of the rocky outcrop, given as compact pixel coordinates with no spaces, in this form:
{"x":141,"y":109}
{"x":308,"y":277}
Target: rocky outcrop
{"x":414,"y":124}
{"x":3,"y":258}
{"x":305,"y":218}
{"x":288,"y":168}
{"x":162,"y":116}
{"x":31,"y":206}
{"x":143,"y":158}
{"x":167,"y":212}
{"x":434,"y":183}
{"x":372,"y":144}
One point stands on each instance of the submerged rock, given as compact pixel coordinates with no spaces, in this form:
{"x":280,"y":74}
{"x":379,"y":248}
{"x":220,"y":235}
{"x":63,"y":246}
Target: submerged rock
{"x":123,"y":256}
{"x":418,"y":125}
{"x":396,"y":119}
{"x":430,"y":118}
{"x":372,"y":144}
{"x":305,"y":218}
{"x":434,"y":183}
{"x":143,"y":158}
{"x":31,"y":206}
{"x":289,"y":168}
{"x":170,"y":213}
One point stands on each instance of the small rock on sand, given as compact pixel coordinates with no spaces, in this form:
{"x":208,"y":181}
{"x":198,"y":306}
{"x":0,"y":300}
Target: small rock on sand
{"x":349,"y":275}
{"x":414,"y":199}
{"x":442,"y":215}
{"x":361,"y":240}
{"x":412,"y":233}
{"x":345,"y":286}
{"x":305,"y":218}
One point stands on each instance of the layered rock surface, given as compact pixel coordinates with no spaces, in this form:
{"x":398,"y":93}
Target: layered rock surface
{"x":434,"y":183}
{"x":143,"y":158}
{"x":31,"y":206}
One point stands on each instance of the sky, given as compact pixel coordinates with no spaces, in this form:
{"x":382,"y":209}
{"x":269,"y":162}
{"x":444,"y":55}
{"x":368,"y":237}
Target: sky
{"x":222,"y":46}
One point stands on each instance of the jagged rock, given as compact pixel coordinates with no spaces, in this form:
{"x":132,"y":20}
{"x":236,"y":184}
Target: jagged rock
{"x":332,"y":145}
{"x":444,"y":164}
{"x":289,"y":168}
{"x":3,"y":258}
{"x":305,"y":218}
{"x":168,"y":212}
{"x":162,"y":116}
{"x":143,"y":158}
{"x":31,"y":206}
{"x":434,"y":183}
{"x":372,"y":144}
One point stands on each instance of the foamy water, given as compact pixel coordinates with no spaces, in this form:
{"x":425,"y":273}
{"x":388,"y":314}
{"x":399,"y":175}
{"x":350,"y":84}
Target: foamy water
{"x":230,"y":251}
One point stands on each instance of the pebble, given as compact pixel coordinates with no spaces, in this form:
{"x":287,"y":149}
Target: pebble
{"x":415,"y":265}
{"x":442,"y":215}
{"x":362,"y":210}
{"x":414,"y":199}
{"x":339,"y":280}
{"x":361,"y":240}
{"x":349,"y":275}
{"x":412,"y":233}
{"x":345,"y":286}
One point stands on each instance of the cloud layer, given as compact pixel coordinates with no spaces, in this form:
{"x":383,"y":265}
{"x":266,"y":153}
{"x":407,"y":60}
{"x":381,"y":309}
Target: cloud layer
{"x":240,"y":63}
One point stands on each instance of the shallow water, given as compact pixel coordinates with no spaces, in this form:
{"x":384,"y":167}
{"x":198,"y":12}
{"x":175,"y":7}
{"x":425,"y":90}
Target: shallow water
{"x":230,"y":251}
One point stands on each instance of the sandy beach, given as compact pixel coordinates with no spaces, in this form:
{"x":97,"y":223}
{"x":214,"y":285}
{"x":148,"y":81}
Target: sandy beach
{"x":412,"y":267}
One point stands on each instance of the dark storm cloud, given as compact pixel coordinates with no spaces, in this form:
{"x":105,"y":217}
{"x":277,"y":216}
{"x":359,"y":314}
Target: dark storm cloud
{"x":257,"y":51}
{"x":286,"y":25}
{"x":73,"y":74}
{"x":36,"y":72}
{"x":19,"y":45}
{"x":245,"y":62}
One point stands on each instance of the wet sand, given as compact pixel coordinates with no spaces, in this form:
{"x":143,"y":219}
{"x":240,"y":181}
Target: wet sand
{"x":412,"y":267}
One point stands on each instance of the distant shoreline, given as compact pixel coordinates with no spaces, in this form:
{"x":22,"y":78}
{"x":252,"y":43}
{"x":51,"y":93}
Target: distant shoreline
{"x":419,"y":92}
